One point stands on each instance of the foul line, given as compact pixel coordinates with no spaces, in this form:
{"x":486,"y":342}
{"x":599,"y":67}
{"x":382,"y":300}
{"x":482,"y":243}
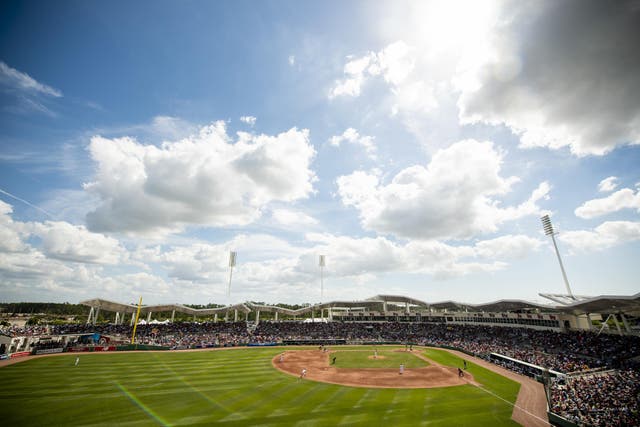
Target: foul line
{"x":514,"y":405}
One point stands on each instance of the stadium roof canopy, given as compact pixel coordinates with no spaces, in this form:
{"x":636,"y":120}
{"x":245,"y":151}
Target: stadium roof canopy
{"x":130,"y":308}
{"x":579,"y":305}
{"x":600,"y":304}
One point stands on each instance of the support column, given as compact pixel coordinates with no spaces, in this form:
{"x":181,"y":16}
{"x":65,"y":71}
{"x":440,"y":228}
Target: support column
{"x":615,"y":319}
{"x":384,"y":306}
{"x":276,"y":316}
{"x":117,"y":317}
{"x":257,"y":317}
{"x":149,"y":317}
{"x":173,"y":315}
{"x":406,"y":307}
{"x":90,"y":318}
{"x":235,"y":315}
{"x":627,"y":329}
{"x":95,"y":315}
{"x":215,"y":317}
{"x":133,"y":316}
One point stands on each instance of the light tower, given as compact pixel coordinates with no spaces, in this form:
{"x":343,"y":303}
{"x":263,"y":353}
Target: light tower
{"x":548,"y":230}
{"x":232,"y":263}
{"x":321,"y":263}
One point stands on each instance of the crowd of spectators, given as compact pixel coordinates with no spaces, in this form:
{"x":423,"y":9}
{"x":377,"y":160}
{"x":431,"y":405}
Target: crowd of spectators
{"x":608,"y":399}
{"x":172,"y":335}
{"x":25,"y":331}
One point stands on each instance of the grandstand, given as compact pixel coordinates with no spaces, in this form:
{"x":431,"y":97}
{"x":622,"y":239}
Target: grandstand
{"x":578,"y":313}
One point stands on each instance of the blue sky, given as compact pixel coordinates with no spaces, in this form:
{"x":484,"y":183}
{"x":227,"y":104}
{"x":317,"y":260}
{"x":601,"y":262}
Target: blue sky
{"x":415,"y":144}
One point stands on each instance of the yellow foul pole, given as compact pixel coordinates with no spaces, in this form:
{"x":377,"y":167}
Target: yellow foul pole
{"x":135,"y":324}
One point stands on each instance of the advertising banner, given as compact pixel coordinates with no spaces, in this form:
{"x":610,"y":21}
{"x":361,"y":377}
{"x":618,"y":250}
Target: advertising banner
{"x":20,"y":354}
{"x":49,"y":350}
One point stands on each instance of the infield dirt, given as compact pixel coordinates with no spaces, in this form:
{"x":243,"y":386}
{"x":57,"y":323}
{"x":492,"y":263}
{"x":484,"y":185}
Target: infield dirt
{"x":316,"y":363}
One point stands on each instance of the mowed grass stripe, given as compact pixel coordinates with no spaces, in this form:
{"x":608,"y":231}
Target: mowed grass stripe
{"x":234,"y":388}
{"x":495,"y":383}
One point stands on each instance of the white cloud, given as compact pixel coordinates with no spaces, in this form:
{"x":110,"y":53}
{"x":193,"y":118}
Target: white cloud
{"x":18,"y":80}
{"x":65,"y":261}
{"x":606,"y":235}
{"x":291,"y":60}
{"x":455,"y":196}
{"x":69,"y":242}
{"x":608,"y":184}
{"x":394,"y":63}
{"x":560,"y":74}
{"x":621,"y":199}
{"x":57,"y":239}
{"x":58,"y":261}
{"x":204,"y":179}
{"x":355,"y":257}
{"x":11,"y":233}
{"x":352,"y":136}
{"x":292,"y":218}
{"x":250,"y":120}
{"x":508,"y":246}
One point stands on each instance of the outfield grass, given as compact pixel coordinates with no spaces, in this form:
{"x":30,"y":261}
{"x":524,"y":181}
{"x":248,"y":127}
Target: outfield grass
{"x":501,"y":386}
{"x":387,"y":359}
{"x":231,"y":388}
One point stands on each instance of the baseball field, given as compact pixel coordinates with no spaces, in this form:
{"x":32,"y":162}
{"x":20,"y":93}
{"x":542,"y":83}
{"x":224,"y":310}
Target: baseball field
{"x":241,"y":387}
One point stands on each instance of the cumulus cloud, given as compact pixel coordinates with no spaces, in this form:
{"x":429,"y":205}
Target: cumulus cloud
{"x":608,"y":184}
{"x":22,"y":81}
{"x":455,"y":196}
{"x":204,"y":179}
{"x":69,"y":242}
{"x":292,"y":218}
{"x":60,"y":261}
{"x":57,"y":239}
{"x":274,"y":268}
{"x":250,"y":120}
{"x":367,"y":256}
{"x":625,"y":198}
{"x":396,"y":65}
{"x":352,"y":136}
{"x":606,"y":235}
{"x":560,"y":74}
{"x":11,"y":233}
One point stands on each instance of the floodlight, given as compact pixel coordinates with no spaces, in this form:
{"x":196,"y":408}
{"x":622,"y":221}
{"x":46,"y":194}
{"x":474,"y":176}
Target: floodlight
{"x":548,"y":230}
{"x":321,"y":264}
{"x":232,"y":263}
{"x":546,"y":224}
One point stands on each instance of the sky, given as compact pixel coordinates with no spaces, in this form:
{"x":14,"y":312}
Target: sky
{"x":415,"y":144}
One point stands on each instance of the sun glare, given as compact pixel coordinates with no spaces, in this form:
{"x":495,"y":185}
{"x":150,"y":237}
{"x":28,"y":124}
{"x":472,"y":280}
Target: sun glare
{"x":457,"y":24}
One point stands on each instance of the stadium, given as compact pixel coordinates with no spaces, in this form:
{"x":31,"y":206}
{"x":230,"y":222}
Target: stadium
{"x":320,"y":213}
{"x":390,"y":358}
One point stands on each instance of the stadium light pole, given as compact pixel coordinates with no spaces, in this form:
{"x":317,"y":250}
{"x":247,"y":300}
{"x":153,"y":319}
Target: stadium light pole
{"x":232,"y":263}
{"x":321,"y":264}
{"x":548,"y":230}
